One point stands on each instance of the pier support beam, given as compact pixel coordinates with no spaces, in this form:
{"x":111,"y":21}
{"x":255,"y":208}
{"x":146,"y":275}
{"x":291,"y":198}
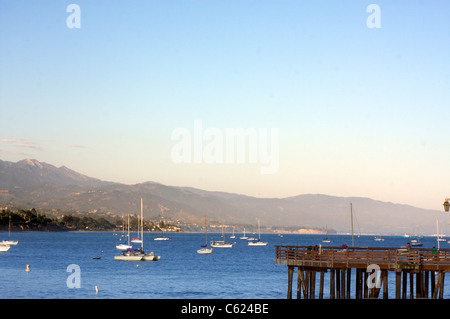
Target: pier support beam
{"x":290,"y":276}
{"x":428,"y":284}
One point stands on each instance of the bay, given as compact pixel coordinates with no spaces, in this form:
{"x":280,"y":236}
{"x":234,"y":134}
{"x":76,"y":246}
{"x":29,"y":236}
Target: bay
{"x":241,"y":272}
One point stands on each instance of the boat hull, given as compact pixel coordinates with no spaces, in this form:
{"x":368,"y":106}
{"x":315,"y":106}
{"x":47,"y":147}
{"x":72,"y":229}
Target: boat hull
{"x":221,"y":245}
{"x":128,"y":258}
{"x":150,"y":257}
{"x":257,"y":243}
{"x":204,"y":251}
{"x":9,"y":242}
{"x":4,"y":247}
{"x":124,"y":247}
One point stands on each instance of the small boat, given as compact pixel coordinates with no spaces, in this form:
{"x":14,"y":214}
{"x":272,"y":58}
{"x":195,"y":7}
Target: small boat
{"x":138,"y":239}
{"x":243,"y":237}
{"x":416,"y":242}
{"x":258,"y":242}
{"x":4,"y":248}
{"x":221,"y":243}
{"x":161,"y":238}
{"x":378,"y":238}
{"x":233,"y":236}
{"x":205,"y":250}
{"x":125,"y":246}
{"x":9,"y":241}
{"x":326,"y":240}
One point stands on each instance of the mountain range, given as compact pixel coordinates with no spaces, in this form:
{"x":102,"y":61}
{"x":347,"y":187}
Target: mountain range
{"x":32,"y":184}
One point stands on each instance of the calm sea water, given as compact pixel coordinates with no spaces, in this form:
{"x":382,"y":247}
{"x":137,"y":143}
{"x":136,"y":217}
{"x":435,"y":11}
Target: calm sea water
{"x":241,"y":272}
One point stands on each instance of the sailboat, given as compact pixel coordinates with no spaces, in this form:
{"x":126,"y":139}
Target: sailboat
{"x":326,"y":240}
{"x":138,"y":239}
{"x":138,"y":254}
{"x":9,"y":241}
{"x":243,"y":237}
{"x":439,"y":237}
{"x":162,"y":237}
{"x":125,"y":246}
{"x":258,"y":242}
{"x":221,"y":243}
{"x":416,"y":241}
{"x":233,"y":236}
{"x":205,"y":250}
{"x":4,"y":248}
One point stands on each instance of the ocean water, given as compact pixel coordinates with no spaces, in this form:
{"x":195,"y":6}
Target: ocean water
{"x":241,"y":272}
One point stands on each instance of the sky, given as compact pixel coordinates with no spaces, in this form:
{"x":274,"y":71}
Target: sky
{"x":344,"y":98}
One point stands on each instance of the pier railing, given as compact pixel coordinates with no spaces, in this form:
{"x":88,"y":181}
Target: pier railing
{"x":361,"y":257}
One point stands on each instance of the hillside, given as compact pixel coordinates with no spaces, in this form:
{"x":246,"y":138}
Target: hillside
{"x":29,"y":183}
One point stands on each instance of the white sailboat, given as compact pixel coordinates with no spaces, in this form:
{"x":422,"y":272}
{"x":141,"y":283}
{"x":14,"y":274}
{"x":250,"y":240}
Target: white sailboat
{"x":439,"y":237}
{"x":9,"y":241}
{"x":138,"y":254}
{"x":4,"y":248}
{"x":326,"y":240}
{"x":416,"y":242}
{"x":205,"y":250}
{"x":138,"y":239}
{"x":243,"y":237}
{"x":233,"y":236}
{"x":221,"y":243}
{"x":125,"y":246}
{"x":162,"y":237}
{"x":258,"y":242}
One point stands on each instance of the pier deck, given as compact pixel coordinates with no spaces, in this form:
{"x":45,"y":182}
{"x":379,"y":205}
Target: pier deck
{"x":423,"y":263}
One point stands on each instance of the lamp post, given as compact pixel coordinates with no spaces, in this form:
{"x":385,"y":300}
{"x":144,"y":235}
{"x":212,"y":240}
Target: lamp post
{"x":447,"y":204}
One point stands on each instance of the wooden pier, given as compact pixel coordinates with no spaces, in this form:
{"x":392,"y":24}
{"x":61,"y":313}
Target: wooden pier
{"x":368,"y":267}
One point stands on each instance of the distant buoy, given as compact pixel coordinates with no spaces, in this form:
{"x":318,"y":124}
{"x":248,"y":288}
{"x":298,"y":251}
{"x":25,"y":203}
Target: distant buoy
{"x":27,"y":269}
{"x":137,"y":265}
{"x":96,"y":289}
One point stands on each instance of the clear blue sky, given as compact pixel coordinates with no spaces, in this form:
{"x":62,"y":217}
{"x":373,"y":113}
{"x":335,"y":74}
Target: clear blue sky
{"x":360,"y":111}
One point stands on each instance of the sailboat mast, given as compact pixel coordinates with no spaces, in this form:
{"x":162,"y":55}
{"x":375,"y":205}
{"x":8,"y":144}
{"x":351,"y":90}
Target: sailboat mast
{"x":206,"y":233}
{"x":142,"y":226}
{"x":128,"y":229}
{"x":437,"y":229}
{"x":351,"y":217}
{"x":259,"y":231}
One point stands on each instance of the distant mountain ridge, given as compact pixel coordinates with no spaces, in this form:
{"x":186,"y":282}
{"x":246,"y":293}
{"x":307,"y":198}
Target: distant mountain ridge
{"x":30,"y":172}
{"x":30,"y":183}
